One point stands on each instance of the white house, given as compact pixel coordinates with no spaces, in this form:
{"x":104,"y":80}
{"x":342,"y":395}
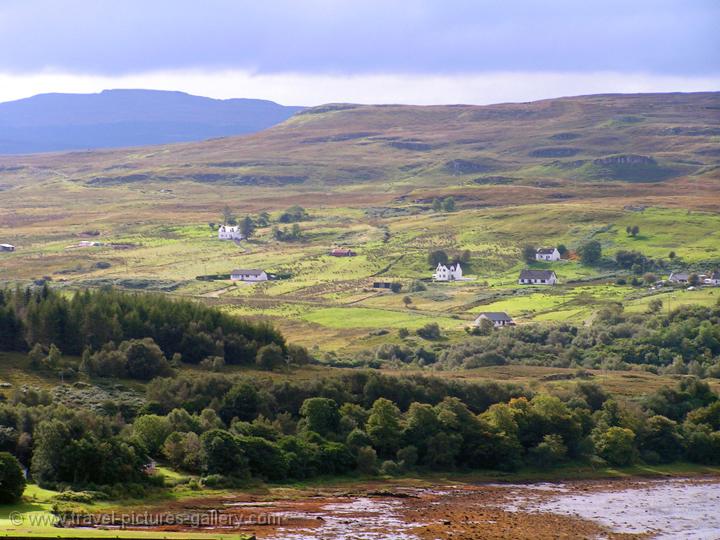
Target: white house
{"x":679,"y":277}
{"x":7,"y":247}
{"x":248,"y":275}
{"x":537,"y":277}
{"x":445,"y":273}
{"x":498,"y":318}
{"x":547,"y":254}
{"x":229,"y":232}
{"x":713,"y":278}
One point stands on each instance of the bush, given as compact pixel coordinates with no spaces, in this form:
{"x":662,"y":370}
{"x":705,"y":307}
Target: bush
{"x":12,"y":479}
{"x":366,"y":460}
{"x":429,"y":331}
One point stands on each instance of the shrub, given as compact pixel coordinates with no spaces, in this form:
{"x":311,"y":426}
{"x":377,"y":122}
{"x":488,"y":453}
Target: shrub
{"x":429,"y":331}
{"x":12,"y":479}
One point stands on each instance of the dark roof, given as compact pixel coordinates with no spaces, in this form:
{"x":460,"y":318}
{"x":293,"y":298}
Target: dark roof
{"x":546,"y":251}
{"x":246,"y":272}
{"x":536,"y":274}
{"x":496,"y":315}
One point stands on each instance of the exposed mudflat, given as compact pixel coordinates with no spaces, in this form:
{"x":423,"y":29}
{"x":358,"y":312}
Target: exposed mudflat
{"x":602,"y":509}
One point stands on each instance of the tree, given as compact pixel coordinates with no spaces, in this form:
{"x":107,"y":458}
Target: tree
{"x":661,"y":437}
{"x":53,"y":358}
{"x":562,"y":249}
{"x":590,"y":252}
{"x":649,"y":278}
{"x":247,"y":227}
{"x":12,"y":479}
{"x":241,"y":401}
{"x":396,"y":287}
{"x":228,"y":218}
{"x":383,"y":427}
{"x":437,"y":204}
{"x":693,"y":279}
{"x":321,"y":415}
{"x":448,"y":204}
{"x":671,"y":255}
{"x":635,"y":230}
{"x":221,"y":454}
{"x":51,"y":437}
{"x":151,"y":431}
{"x":407,"y":300}
{"x":145,"y":359}
{"x":437,"y":257}
{"x":616,"y":445}
{"x":528,"y":253}
{"x":270,"y":357}
{"x":549,"y":452}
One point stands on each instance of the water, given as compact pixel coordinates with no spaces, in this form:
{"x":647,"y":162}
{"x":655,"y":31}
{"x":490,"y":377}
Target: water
{"x":667,"y":509}
{"x":361,"y":518}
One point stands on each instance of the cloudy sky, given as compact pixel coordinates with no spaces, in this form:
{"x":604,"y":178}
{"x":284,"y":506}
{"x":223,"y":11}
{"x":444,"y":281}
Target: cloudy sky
{"x":307,"y":52}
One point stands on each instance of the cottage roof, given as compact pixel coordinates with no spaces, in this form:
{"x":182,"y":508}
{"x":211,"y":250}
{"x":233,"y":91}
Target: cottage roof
{"x":495,"y":316}
{"x":247,"y":272}
{"x":537,"y":274}
{"x":546,"y":251}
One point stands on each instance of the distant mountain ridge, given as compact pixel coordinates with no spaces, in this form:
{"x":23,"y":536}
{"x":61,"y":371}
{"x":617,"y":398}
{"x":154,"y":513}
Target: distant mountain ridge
{"x":117,"y":118}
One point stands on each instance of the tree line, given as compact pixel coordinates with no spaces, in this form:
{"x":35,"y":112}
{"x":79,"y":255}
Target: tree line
{"x":232,"y":429}
{"x":131,"y":333}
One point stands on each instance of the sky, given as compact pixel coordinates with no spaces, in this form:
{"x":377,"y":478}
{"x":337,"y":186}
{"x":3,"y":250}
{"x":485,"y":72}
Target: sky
{"x":308,"y":52}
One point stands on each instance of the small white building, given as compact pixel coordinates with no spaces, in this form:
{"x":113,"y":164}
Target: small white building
{"x":448,"y":273}
{"x":7,"y":247}
{"x":713,"y":278}
{"x":547,"y":254}
{"x":537,"y":277}
{"x":229,"y":232}
{"x":498,"y":318}
{"x":679,"y":277}
{"x":248,"y":275}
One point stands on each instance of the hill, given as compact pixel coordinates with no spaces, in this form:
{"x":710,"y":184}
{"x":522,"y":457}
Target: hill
{"x":115,"y":118}
{"x":629,"y":138}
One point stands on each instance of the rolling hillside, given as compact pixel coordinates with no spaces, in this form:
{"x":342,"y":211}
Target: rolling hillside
{"x":628,"y":138}
{"x":115,"y":118}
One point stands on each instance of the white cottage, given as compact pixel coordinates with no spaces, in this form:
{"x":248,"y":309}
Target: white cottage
{"x":448,"y":273}
{"x":537,"y":277}
{"x":248,"y":275}
{"x":498,"y":318}
{"x":229,"y":232}
{"x":7,"y":247}
{"x":547,"y":254}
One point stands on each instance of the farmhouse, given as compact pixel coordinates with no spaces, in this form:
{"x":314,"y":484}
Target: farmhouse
{"x":88,"y":243}
{"x":248,"y":275}
{"x":229,"y":232}
{"x":547,"y":254}
{"x":382,"y":285}
{"x":679,"y":277}
{"x":713,"y":278}
{"x":445,"y":273}
{"x":7,"y":247}
{"x":342,"y":252}
{"x":537,"y":277}
{"x":498,"y":318}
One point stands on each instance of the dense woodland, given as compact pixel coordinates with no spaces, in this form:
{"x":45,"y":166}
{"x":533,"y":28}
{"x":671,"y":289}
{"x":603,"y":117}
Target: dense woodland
{"x":120,"y":334}
{"x":233,"y":429}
